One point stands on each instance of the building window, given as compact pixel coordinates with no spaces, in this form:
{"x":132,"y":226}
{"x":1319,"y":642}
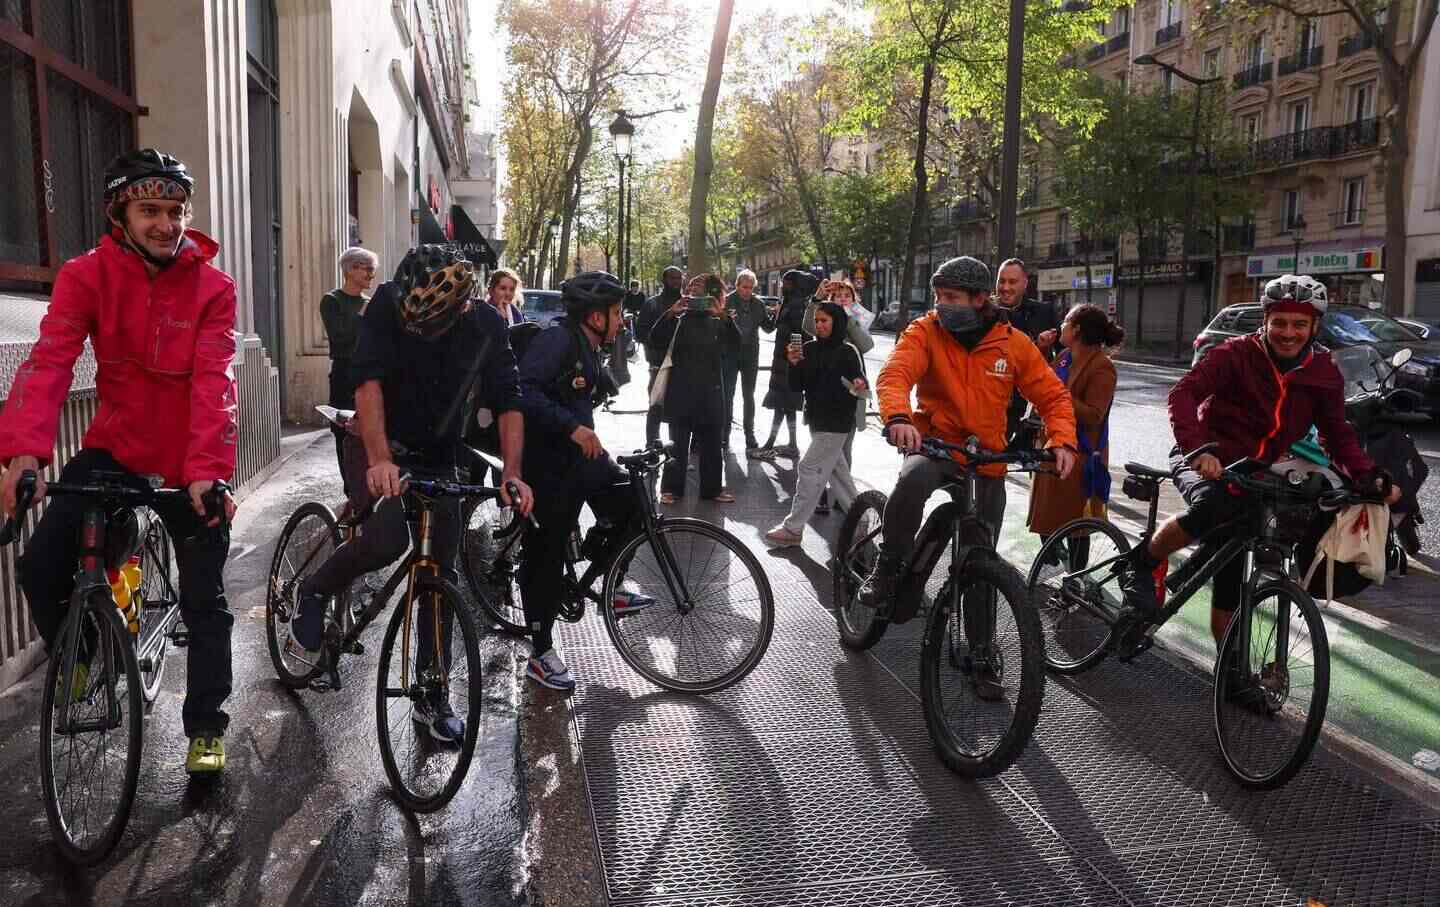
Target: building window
{"x":1169,"y":12}
{"x":1062,"y":227}
{"x":1122,"y":20}
{"x":1292,"y":214}
{"x":1212,"y":63}
{"x":1250,"y":127}
{"x":1297,"y":114}
{"x":1362,"y":102}
{"x":51,"y":209}
{"x":1354,"y":201}
{"x":1307,"y":36}
{"x":1255,"y":51}
{"x":1167,"y":81}
{"x":263,"y":99}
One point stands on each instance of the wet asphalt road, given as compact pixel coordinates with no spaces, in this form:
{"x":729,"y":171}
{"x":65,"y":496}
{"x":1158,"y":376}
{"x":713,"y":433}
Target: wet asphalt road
{"x":303,"y":814}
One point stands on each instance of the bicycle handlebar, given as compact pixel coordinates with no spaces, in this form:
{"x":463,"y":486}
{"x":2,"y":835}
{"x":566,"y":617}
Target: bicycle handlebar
{"x":440,"y":488}
{"x":649,"y":458}
{"x":975,"y":455}
{"x":1294,"y":485}
{"x":112,"y":490}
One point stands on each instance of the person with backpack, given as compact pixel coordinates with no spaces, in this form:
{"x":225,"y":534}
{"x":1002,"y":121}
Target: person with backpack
{"x":830,"y":371}
{"x":562,"y":379}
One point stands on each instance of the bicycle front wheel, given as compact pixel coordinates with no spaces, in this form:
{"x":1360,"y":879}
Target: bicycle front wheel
{"x":982,"y":669}
{"x":310,"y":536}
{"x":699,"y":610}
{"x":857,"y":549}
{"x":436,"y":681}
{"x":90,"y":732}
{"x":490,"y":557}
{"x":1272,"y":684}
{"x":1074,"y":586}
{"x":159,"y":583}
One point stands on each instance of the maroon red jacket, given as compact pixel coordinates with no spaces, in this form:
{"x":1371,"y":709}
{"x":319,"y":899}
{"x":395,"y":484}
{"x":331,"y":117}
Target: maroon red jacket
{"x":1237,"y":396}
{"x":163,"y":350}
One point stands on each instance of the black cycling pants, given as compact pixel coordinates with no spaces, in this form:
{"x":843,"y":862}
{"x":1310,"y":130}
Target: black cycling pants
{"x":47,"y":576}
{"x":561,"y":489}
{"x":1210,"y":504}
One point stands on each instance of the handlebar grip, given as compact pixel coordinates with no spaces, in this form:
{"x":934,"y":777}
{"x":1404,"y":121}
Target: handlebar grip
{"x":24,"y":497}
{"x":215,"y":501}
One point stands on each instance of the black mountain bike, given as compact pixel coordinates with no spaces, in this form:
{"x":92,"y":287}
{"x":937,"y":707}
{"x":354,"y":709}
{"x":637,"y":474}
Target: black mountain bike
{"x":1272,"y":672}
{"x":711,"y":611}
{"x":92,"y":727}
{"x":982,"y":675}
{"x":432,"y":670}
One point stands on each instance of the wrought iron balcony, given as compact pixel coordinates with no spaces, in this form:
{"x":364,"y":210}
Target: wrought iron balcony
{"x":1119,"y":42}
{"x":969,"y":209}
{"x":1095,"y":53}
{"x":1167,"y":34}
{"x":1320,"y":142}
{"x":1029,"y":198}
{"x":1353,"y":44}
{"x":1307,"y":58}
{"x":1255,"y":75}
{"x":1085,"y":246}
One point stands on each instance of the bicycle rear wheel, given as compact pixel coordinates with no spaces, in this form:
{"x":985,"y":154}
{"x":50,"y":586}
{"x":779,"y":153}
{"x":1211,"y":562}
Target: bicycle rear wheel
{"x":159,"y":584}
{"x":1272,"y":685}
{"x":1077,"y":602}
{"x":91,"y":741}
{"x":310,"y":536}
{"x":707,"y":622}
{"x":490,"y":557}
{"x":857,"y":548}
{"x":982,"y":670}
{"x":440,"y":672}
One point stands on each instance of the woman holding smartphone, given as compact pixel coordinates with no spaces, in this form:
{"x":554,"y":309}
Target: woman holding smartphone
{"x":795,"y":288}
{"x":696,"y":330}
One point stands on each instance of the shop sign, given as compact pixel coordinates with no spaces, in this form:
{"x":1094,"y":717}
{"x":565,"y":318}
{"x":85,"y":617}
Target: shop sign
{"x":1342,"y":262}
{"x":1162,"y":272}
{"x":1058,"y":280}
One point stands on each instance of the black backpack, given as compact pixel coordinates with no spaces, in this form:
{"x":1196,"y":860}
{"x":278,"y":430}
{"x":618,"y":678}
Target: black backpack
{"x":523,"y":334}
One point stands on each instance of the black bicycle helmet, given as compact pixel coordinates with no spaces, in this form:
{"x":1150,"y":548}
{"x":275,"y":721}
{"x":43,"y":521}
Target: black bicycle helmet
{"x":437,"y":284}
{"x":963,"y":273}
{"x":589,"y":291}
{"x":147,"y":173}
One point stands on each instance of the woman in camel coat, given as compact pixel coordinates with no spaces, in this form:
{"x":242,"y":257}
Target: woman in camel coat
{"x":1089,"y":374}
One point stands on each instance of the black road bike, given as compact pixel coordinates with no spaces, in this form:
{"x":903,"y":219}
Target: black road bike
{"x":421,"y":664}
{"x":1272,"y":671}
{"x":710,"y":610}
{"x":982,"y":675}
{"x":92,"y":727}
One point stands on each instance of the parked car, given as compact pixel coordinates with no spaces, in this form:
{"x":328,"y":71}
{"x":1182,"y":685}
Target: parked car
{"x":1345,"y":327}
{"x":1425,"y":330}
{"x":543,"y":306}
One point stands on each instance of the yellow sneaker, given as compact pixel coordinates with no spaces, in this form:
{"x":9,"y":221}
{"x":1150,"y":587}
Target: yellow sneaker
{"x":206,"y":756}
{"x":79,"y":685}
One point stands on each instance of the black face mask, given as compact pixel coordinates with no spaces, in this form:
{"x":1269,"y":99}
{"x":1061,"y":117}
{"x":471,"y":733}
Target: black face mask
{"x":965,"y":323}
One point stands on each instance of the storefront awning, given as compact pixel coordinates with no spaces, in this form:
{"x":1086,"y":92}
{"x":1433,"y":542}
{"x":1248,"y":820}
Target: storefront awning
{"x":469,"y":241}
{"x":430,"y":229}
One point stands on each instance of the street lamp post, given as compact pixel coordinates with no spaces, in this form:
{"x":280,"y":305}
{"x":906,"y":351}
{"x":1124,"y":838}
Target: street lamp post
{"x":1199,"y":83}
{"x":622,"y":131}
{"x":553,"y":252}
{"x":629,"y":227}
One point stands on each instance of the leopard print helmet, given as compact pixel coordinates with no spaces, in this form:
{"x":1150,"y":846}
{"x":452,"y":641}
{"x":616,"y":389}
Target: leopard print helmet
{"x":437,"y":284}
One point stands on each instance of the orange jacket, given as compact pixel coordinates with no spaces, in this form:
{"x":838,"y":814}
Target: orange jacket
{"x":965,"y":392}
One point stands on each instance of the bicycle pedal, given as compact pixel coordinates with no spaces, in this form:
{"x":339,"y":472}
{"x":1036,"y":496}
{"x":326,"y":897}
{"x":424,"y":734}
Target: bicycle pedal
{"x":1129,"y":651}
{"x":180,"y":638}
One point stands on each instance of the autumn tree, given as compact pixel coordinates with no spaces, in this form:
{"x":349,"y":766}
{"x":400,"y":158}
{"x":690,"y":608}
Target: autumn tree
{"x":537,"y":137}
{"x":587,"y":55}
{"x":704,"y":129}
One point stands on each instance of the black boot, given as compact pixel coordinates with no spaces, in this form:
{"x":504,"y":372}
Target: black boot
{"x":1137,"y":583}
{"x":879,"y":589}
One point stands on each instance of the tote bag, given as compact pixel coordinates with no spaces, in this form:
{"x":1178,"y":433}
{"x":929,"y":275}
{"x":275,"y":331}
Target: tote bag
{"x":662,"y":377}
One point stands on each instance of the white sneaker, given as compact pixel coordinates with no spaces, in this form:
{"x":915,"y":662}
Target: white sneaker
{"x":549,"y":670}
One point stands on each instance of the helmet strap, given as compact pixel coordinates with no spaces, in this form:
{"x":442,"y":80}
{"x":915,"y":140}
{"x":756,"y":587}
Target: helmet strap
{"x":139,"y":249}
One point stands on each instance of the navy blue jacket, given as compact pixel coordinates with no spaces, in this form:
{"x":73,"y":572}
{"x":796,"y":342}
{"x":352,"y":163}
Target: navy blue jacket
{"x":551,"y":415}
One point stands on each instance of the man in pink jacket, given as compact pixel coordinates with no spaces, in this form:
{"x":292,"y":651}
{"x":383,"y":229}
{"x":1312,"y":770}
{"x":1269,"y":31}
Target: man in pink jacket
{"x":161,"y":320}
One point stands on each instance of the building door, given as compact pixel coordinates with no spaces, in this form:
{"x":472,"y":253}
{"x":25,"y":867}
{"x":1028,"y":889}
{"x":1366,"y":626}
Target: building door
{"x":263,"y":97}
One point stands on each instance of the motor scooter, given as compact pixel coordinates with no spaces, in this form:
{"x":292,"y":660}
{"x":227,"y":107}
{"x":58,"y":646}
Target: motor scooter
{"x":1379,"y":412}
